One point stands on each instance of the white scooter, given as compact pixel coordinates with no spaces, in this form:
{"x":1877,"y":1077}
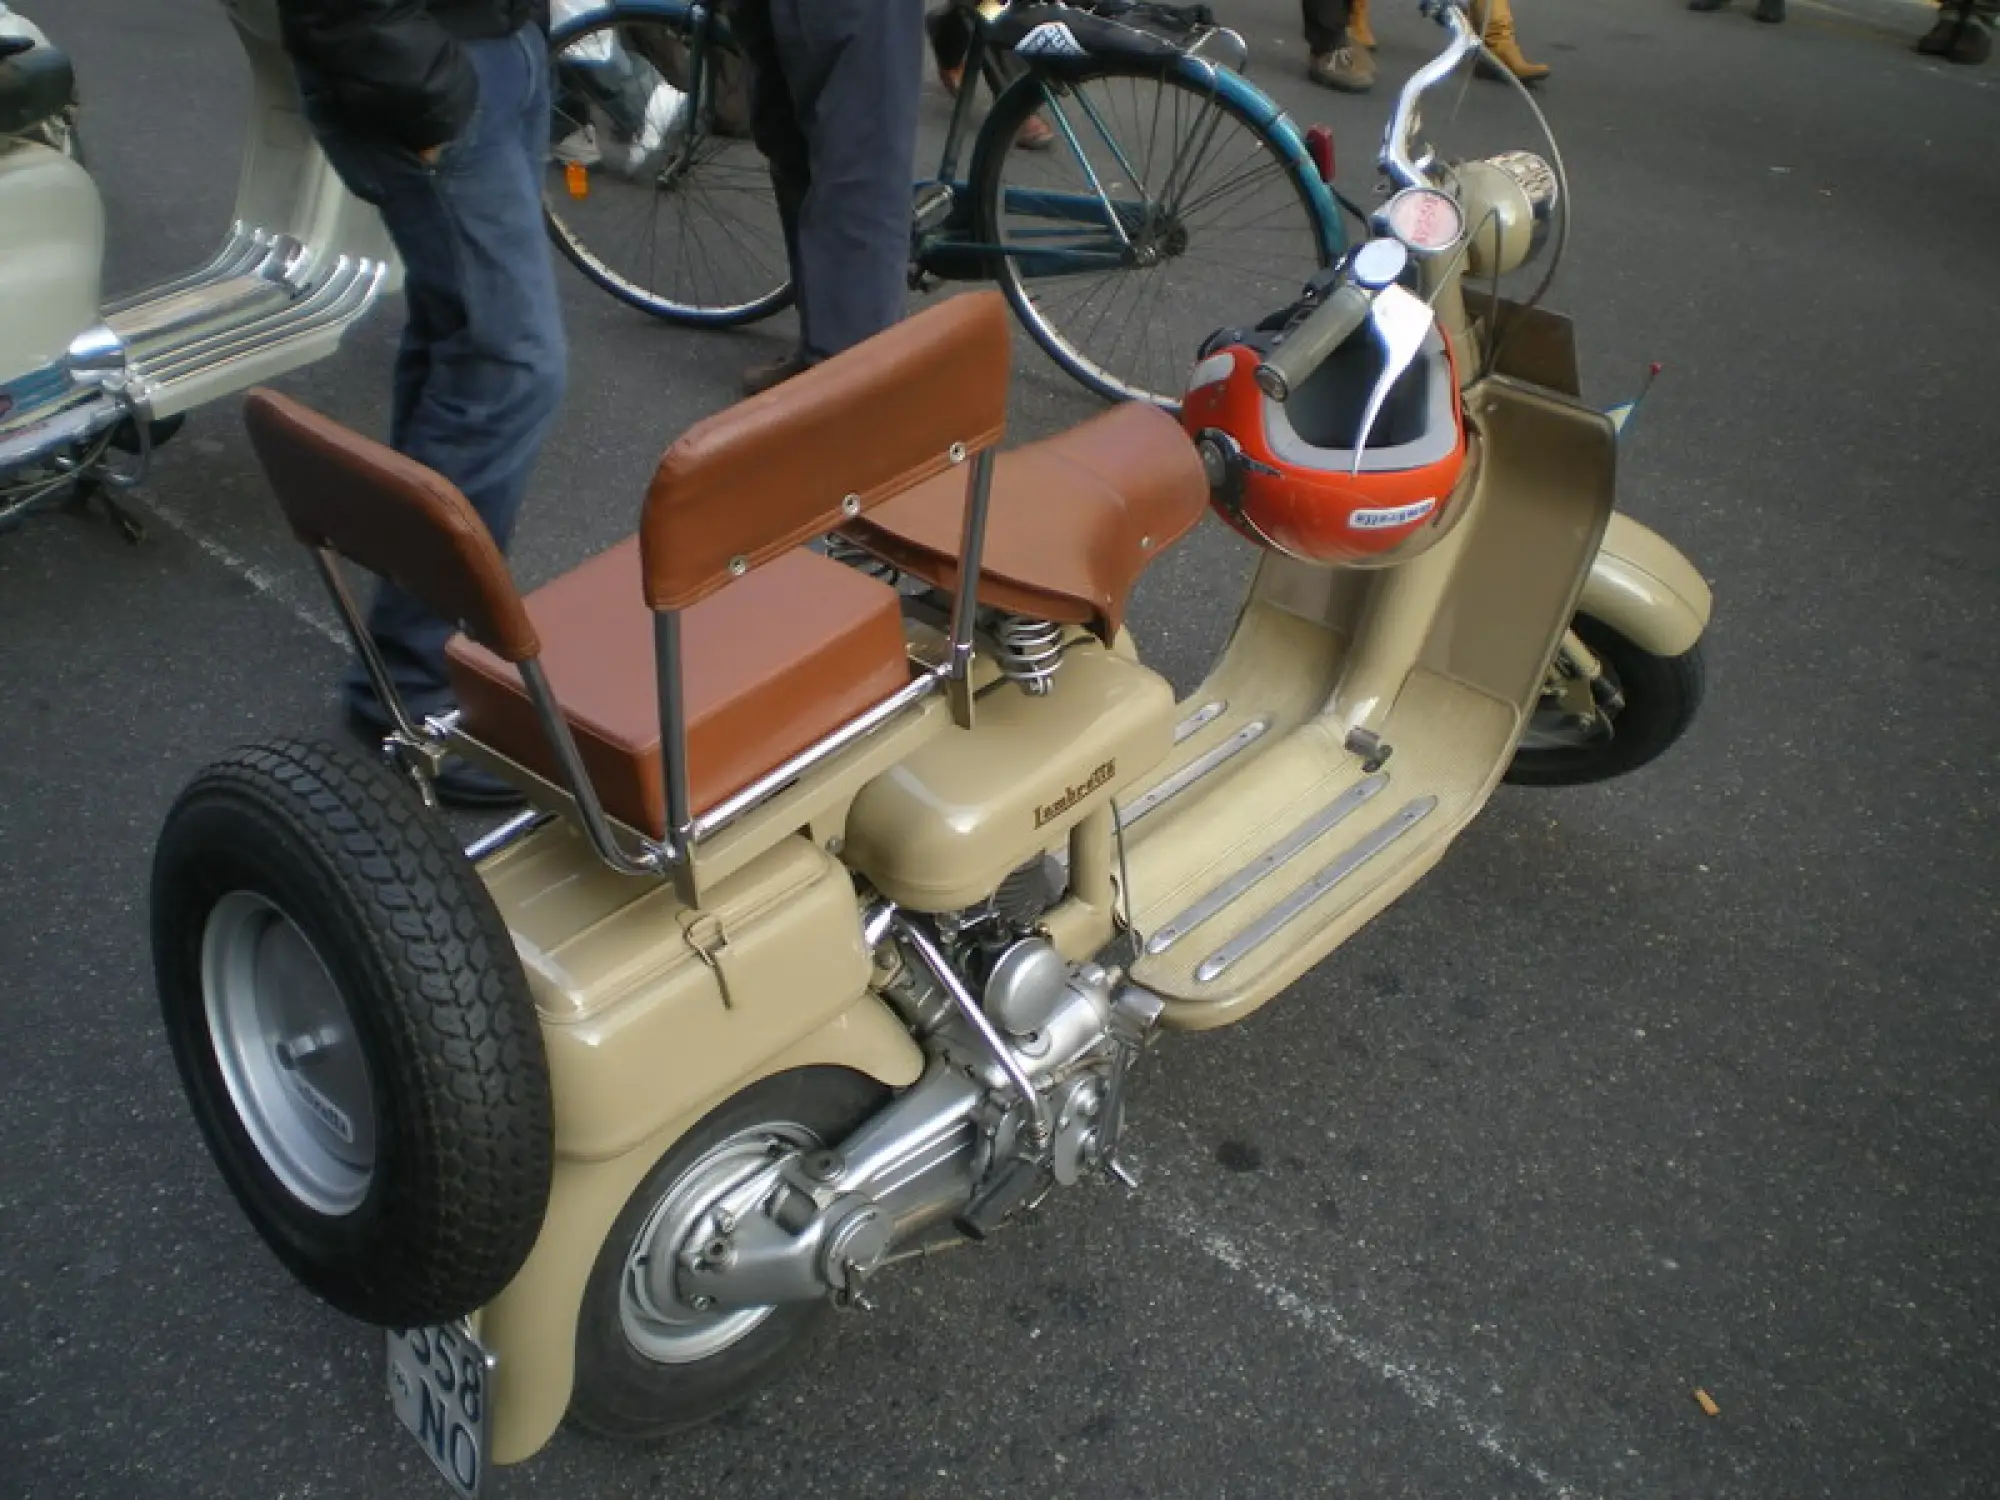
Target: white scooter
{"x":88,"y":386}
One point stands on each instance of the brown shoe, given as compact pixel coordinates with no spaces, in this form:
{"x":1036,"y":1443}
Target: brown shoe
{"x":1349,"y":70}
{"x":1358,"y":31}
{"x":1495,"y":20}
{"x":774,"y":372}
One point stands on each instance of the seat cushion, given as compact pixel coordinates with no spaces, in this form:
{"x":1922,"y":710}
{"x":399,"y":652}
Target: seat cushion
{"x":1074,"y":520}
{"x":770,"y":665}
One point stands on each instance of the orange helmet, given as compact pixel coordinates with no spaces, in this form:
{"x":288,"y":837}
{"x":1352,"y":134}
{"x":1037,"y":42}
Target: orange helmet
{"x":1284,"y":474}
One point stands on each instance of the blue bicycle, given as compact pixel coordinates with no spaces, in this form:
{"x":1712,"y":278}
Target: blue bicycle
{"x":1174,"y":197}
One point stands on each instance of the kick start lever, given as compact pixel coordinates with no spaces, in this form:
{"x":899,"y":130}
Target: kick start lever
{"x":1135,"y":1014}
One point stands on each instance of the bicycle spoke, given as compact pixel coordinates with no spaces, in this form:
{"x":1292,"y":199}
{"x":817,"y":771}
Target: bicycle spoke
{"x":693,"y":232}
{"x":1219,"y":229}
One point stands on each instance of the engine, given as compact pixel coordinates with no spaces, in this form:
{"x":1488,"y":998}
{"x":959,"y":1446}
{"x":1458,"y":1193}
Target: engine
{"x":1024,"y":1092}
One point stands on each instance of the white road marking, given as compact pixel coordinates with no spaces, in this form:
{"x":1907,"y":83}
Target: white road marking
{"x":1328,"y":1325}
{"x":281,"y":591}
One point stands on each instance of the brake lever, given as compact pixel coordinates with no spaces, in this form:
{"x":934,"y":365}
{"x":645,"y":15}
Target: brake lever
{"x":1400,"y":321}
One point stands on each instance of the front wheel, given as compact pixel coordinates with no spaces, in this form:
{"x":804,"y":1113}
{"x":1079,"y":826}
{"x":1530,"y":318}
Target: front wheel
{"x":650,"y":1362}
{"x":1646,"y":703}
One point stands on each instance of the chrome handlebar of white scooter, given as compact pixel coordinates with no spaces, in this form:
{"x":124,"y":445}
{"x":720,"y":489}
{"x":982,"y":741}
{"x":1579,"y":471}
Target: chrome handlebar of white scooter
{"x":1404,"y":169}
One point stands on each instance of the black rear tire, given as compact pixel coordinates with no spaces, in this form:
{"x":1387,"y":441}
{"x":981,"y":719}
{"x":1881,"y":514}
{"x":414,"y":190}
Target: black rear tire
{"x":1661,"y":695}
{"x":621,"y":1391}
{"x":334,"y":849}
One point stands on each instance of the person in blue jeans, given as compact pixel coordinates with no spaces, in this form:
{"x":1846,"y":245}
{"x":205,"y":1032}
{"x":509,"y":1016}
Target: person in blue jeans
{"x":437,"y":113}
{"x":834,"y":86}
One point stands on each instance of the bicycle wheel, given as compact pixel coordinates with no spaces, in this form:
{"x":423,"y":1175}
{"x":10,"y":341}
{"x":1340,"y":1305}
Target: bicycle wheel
{"x":1163,"y":212}
{"x":654,"y":189}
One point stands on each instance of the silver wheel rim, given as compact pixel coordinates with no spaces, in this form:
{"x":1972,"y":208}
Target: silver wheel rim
{"x":658,"y":1321}
{"x":286,"y":1045}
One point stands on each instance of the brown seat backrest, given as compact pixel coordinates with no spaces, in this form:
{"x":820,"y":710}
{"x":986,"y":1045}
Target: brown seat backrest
{"x":751,"y":483}
{"x":393,"y":516}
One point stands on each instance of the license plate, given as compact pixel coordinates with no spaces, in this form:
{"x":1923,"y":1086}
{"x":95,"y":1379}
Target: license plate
{"x":441,"y":1382}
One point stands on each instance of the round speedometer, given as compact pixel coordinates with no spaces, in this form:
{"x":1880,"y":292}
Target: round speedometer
{"x":1428,"y":221}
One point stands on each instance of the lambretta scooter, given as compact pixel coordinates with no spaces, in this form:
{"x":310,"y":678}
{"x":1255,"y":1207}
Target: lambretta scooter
{"x":88,"y":386}
{"x":856,"y":880}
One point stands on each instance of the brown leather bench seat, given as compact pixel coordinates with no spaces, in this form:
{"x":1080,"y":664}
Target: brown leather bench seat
{"x":1074,"y":519}
{"x":771,"y":665}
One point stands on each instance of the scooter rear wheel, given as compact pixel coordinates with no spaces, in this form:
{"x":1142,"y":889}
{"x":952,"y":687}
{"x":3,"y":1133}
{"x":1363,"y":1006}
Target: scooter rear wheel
{"x":353,"y":1030}
{"x":1661,"y":695}
{"x":648,"y":1364}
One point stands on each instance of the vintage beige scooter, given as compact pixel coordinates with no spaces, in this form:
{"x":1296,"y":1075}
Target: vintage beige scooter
{"x":845,"y":908}
{"x":82,"y":378}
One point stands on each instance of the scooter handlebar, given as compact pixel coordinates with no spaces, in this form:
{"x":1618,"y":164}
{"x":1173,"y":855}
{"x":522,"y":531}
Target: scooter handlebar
{"x":1305,"y":348}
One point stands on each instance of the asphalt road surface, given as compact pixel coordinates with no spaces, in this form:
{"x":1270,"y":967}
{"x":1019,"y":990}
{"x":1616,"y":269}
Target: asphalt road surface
{"x":1688,"y":1081}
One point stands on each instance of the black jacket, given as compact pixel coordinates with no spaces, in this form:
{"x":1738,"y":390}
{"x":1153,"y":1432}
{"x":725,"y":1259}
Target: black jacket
{"x":391,"y":69}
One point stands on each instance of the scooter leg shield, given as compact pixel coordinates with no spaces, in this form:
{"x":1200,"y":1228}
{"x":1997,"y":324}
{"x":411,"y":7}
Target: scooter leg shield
{"x":1643,"y":587}
{"x":531,"y":1327}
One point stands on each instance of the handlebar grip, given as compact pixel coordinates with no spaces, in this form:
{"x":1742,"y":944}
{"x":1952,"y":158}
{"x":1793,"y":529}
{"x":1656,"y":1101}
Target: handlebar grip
{"x":1306,"y":347}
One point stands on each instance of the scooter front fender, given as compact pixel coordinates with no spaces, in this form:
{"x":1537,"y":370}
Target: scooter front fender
{"x":531,"y":1327}
{"x":1642,"y":587}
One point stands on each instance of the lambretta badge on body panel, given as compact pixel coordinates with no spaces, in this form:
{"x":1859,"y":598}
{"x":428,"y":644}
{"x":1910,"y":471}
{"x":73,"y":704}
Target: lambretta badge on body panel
{"x":1048,"y":812}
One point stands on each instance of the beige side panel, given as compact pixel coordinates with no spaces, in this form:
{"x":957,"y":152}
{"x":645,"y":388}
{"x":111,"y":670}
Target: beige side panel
{"x":647,"y":1005}
{"x":531,"y":1327}
{"x":941,"y":830}
{"x":51,"y":246}
{"x":1548,"y":480}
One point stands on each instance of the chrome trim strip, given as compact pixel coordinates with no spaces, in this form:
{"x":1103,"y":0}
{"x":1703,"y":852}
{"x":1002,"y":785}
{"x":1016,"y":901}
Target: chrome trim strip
{"x":235,"y":298}
{"x":719,"y":817}
{"x":1200,"y":719}
{"x":236,"y":248}
{"x":1156,"y":797}
{"x":1293,"y":906}
{"x":1232,"y":890}
{"x":334,"y":302}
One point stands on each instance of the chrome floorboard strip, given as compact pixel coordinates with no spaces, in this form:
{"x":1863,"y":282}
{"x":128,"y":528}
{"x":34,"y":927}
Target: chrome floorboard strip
{"x":1232,"y":890}
{"x":1286,"y":911}
{"x":1207,"y":714}
{"x":1152,"y":801}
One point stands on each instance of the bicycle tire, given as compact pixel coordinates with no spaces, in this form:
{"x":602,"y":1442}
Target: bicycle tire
{"x":1252,"y":291}
{"x":732,"y":157}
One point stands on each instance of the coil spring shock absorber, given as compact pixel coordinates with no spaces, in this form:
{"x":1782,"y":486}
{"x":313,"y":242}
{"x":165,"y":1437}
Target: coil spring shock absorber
{"x":1029,"y":651}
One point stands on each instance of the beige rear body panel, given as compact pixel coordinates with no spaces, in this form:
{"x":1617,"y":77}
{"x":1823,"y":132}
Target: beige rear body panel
{"x":645,"y":1036}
